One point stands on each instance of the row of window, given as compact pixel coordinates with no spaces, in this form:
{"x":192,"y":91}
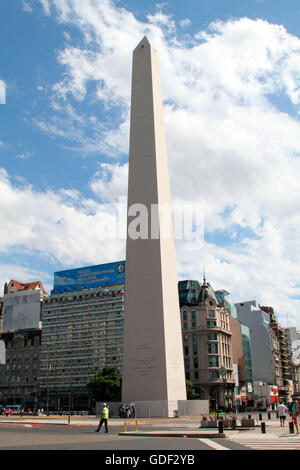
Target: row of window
{"x":213,"y":374}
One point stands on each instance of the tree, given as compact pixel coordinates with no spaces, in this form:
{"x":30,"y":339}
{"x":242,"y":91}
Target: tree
{"x":106,"y":386}
{"x":190,"y":391}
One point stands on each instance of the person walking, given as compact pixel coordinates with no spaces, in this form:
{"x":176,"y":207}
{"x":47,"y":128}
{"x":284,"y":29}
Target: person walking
{"x":104,"y":418}
{"x":294,"y":414}
{"x":282,"y":413}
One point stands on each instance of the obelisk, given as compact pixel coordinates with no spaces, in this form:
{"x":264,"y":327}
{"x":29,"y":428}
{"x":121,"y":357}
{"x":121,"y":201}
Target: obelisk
{"x":153,"y":367}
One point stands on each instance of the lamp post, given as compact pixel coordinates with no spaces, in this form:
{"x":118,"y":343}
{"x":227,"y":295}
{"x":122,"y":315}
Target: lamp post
{"x":48,"y":370}
{"x":223,"y":372}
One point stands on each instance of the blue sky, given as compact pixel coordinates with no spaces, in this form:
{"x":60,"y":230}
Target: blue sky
{"x":231,"y":84}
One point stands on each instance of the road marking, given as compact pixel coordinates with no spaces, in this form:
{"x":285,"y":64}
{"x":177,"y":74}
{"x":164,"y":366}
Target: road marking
{"x":27,"y":426}
{"x":213,"y":444}
{"x":273,"y":444}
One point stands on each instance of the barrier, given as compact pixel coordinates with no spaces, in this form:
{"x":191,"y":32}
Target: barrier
{"x":130,"y":422}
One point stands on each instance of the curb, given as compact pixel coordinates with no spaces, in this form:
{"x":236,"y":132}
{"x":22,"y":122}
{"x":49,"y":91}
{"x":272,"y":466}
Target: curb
{"x":173,"y":434}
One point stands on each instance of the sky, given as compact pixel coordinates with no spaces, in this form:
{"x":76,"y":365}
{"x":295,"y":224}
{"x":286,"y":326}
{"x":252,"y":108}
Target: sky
{"x":230,"y":73}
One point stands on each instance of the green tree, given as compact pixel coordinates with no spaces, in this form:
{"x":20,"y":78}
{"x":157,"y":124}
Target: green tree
{"x":106,"y":386}
{"x":190,"y":391}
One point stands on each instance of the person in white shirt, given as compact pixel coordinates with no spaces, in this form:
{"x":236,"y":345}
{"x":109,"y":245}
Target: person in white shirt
{"x":282,"y":413}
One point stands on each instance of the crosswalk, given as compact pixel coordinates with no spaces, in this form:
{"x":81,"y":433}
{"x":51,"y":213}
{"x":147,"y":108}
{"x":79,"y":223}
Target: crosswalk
{"x":270,"y":444}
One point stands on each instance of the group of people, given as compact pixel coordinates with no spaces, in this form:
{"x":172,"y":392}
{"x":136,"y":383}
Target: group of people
{"x":127,"y":411}
{"x":8,"y":412}
{"x":293,"y":411}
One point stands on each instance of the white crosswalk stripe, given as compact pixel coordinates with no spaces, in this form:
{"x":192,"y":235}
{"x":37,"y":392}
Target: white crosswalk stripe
{"x":270,"y":444}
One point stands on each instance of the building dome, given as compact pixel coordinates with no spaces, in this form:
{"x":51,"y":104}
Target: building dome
{"x":206,"y":292}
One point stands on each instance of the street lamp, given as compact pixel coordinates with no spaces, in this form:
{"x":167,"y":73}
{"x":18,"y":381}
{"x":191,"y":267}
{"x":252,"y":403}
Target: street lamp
{"x":48,"y":370}
{"x":223,"y":372}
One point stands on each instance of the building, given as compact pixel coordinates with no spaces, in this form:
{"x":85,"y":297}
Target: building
{"x":241,"y":354}
{"x":293,"y":338}
{"x":283,"y":355}
{"x":207,"y":344}
{"x":270,"y":363}
{"x":22,"y":305}
{"x":20,"y":343}
{"x":82,"y":332}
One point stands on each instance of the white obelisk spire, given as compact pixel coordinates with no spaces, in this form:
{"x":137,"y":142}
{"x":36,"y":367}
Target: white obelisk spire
{"x":153,"y":368}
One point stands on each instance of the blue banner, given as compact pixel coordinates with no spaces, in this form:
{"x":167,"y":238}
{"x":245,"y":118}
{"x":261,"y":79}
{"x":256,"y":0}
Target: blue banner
{"x":109,"y":274}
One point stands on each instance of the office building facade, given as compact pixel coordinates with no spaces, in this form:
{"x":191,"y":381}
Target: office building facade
{"x":82,"y":333}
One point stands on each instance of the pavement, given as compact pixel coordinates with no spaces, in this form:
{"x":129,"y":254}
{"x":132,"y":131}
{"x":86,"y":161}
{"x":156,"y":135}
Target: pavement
{"x":164,"y":427}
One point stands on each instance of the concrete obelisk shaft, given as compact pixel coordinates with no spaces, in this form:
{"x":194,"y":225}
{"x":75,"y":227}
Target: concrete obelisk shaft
{"x":153,"y":368}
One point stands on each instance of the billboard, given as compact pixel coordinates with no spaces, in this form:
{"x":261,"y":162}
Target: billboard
{"x":89,"y":277}
{"x":274,"y":396}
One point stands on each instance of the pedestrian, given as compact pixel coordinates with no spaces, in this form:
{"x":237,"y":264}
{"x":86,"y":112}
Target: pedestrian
{"x":294,"y":413}
{"x":282,"y":413}
{"x":104,"y":418}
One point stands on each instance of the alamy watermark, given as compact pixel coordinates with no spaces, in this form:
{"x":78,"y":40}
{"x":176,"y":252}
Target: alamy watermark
{"x":181,"y":221}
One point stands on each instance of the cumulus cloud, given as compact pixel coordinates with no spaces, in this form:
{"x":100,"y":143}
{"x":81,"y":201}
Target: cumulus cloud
{"x":64,"y":226}
{"x":232,"y":146}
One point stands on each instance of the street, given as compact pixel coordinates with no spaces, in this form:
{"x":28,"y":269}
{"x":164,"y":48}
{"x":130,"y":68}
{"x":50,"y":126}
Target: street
{"x":54,"y":433}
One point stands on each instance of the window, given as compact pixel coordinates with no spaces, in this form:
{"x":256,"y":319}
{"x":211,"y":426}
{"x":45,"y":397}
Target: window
{"x":213,"y":361}
{"x":185,"y":316}
{"x":211,"y":314}
{"x":185,"y":326}
{"x":193,"y":324}
{"x":193,"y":315}
{"x":195,"y":349}
{"x":187,"y":363}
{"x":196,"y":375}
{"x":185,"y":338}
{"x":212,"y":337}
{"x":214,"y":374}
{"x":211,"y":323}
{"x":194,"y":338}
{"x":186,"y":350}
{"x":196,"y":363}
{"x":212,"y":348}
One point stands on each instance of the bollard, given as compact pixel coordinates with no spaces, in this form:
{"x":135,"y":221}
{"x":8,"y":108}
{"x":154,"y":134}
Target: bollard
{"x":291,"y":426}
{"x":221,"y":428}
{"x":263,"y":428}
{"x":233,"y":424}
{"x":125,"y":427}
{"x":269,"y":415}
{"x":136,"y":426}
{"x":69,"y":419}
{"x":260,"y":417}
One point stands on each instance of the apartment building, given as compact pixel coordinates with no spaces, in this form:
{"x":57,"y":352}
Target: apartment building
{"x":20,"y":343}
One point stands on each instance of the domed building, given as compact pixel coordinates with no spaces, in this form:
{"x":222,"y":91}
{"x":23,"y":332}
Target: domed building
{"x":207,"y":343}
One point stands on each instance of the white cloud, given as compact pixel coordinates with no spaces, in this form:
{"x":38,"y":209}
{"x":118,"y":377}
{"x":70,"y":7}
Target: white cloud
{"x":231,"y":146}
{"x":2,"y":92}
{"x":26,"y":7}
{"x":63,"y":226}
{"x":111,"y":181}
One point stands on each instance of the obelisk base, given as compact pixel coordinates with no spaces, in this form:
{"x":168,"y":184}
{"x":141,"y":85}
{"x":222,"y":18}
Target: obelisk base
{"x":171,"y":408}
